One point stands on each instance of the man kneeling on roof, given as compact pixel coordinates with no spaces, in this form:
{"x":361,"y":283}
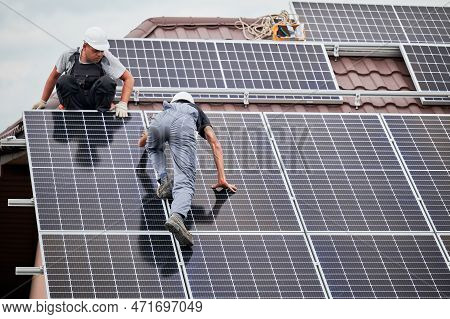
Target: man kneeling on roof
{"x":177,"y":124}
{"x":89,"y":79}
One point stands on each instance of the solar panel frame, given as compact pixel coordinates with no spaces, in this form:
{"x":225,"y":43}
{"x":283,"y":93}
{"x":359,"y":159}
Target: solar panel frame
{"x":422,"y":178}
{"x":154,"y":95}
{"x":331,"y":272}
{"x":421,"y":68}
{"x":49,"y":271}
{"x":421,"y":224}
{"x":379,"y":13}
{"x":233,"y":257}
{"x":315,"y":68}
{"x":198,"y":219}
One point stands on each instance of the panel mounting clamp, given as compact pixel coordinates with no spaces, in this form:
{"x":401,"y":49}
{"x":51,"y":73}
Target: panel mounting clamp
{"x":336,"y":52}
{"x":357,"y":100}
{"x":246,"y":96}
{"x":136,"y":96}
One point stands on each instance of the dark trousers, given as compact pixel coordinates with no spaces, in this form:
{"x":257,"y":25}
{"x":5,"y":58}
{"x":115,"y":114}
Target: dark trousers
{"x":73,"y":97}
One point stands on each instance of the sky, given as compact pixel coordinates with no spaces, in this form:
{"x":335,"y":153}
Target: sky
{"x":28,"y":54}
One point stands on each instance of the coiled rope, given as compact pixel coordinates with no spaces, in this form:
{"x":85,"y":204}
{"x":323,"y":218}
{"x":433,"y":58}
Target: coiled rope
{"x":262,"y":27}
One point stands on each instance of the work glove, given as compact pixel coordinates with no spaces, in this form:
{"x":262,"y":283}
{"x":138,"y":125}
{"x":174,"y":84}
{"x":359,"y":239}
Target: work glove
{"x":121,"y":109}
{"x":39,"y":105}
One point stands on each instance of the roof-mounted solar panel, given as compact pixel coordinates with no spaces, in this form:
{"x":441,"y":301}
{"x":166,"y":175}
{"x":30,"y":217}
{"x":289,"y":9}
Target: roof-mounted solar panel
{"x":424,"y":144}
{"x":425,"y":24}
{"x":266,"y":66}
{"x":373,"y":23}
{"x":383,"y":266}
{"x":345,"y":22}
{"x":429,"y":66}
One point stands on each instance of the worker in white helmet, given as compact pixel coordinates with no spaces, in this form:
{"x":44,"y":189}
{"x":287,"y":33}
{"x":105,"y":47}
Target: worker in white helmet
{"x":89,"y":79}
{"x":177,"y":125}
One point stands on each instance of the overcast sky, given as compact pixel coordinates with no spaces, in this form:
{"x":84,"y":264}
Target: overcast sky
{"x":27,"y":54}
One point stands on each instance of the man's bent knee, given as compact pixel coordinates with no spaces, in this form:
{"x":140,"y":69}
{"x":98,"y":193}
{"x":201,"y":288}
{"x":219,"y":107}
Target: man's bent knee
{"x":66,"y":85}
{"x":107,"y":82}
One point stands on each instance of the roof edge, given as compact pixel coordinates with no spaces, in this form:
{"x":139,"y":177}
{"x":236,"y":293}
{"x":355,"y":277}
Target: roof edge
{"x":147,"y":27}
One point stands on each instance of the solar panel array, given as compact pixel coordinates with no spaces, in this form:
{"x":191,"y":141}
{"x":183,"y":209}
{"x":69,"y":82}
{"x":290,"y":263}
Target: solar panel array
{"x":175,"y":65}
{"x":100,"y":225}
{"x":424,"y":144}
{"x":325,"y":208}
{"x":370,"y":23}
{"x":429,"y":66}
{"x":346,"y":177}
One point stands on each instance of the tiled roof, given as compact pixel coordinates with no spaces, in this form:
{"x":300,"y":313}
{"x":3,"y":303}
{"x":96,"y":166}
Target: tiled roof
{"x":189,"y":28}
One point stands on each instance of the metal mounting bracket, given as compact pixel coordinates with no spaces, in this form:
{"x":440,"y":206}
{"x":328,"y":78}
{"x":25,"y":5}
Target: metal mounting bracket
{"x":246,"y":100}
{"x":136,"y":96}
{"x":29,"y":271}
{"x":21,"y":202}
{"x":12,"y":141}
{"x":357,"y":100}
{"x":336,"y":52}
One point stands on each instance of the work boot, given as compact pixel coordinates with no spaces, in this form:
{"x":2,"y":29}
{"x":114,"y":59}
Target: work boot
{"x":176,"y":226}
{"x":164,"y":190}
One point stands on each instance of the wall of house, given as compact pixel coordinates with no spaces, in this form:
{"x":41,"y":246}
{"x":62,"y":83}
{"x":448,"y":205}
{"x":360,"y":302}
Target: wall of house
{"x":18,"y":231}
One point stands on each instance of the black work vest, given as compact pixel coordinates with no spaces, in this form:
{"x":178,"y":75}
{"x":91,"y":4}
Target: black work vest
{"x":85,"y":74}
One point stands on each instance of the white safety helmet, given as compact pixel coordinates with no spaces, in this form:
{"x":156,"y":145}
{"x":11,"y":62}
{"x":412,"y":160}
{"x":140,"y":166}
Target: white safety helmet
{"x":96,"y":38}
{"x":183,"y":96}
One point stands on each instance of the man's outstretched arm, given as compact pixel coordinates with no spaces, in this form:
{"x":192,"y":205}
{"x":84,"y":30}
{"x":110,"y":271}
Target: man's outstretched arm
{"x":218,"y":159}
{"x":48,"y":89}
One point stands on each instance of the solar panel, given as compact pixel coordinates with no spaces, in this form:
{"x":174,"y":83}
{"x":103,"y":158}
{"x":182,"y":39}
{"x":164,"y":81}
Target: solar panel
{"x":89,"y":174}
{"x":275,"y":66}
{"x":383,"y":266}
{"x":83,"y":139}
{"x":263,"y":65}
{"x":345,"y":22}
{"x":251,"y":266}
{"x":111,"y":266}
{"x":424,"y":145}
{"x":344,"y":173}
{"x":262,"y":202}
{"x":175,"y":64}
{"x":429,"y":66}
{"x":425,"y":24}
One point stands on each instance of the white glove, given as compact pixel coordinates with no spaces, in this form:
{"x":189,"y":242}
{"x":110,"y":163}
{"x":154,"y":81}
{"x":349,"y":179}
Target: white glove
{"x":39,"y":105}
{"x":121,"y":109}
